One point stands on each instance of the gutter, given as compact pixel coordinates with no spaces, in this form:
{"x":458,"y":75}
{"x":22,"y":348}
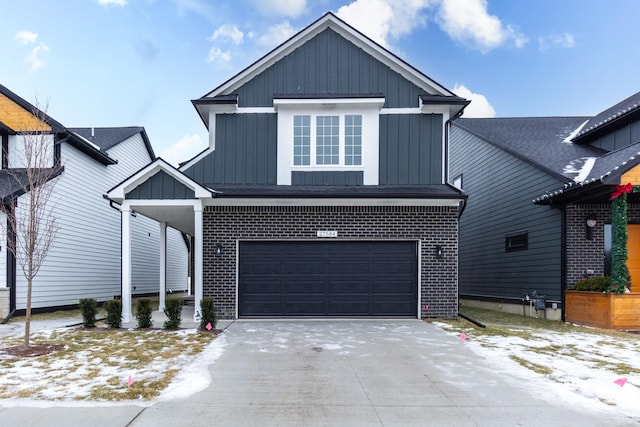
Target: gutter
{"x":6,"y":319}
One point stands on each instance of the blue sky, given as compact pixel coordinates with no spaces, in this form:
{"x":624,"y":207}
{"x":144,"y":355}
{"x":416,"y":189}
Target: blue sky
{"x":141,"y":62}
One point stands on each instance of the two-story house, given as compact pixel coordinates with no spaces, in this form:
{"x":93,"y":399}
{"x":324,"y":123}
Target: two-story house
{"x":84,"y":260}
{"x":323,"y":190}
{"x":538,"y":215}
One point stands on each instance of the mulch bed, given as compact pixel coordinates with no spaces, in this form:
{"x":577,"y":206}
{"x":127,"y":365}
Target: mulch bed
{"x":33,"y":350}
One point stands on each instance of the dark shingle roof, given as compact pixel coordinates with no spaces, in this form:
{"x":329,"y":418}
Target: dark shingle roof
{"x":339,"y":191}
{"x":605,"y":170}
{"x":106,"y":138}
{"x":611,"y":115}
{"x":541,"y":141}
{"x":13,"y":182}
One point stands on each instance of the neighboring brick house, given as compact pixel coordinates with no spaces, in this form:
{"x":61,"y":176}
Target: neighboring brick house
{"x":323,"y":191}
{"x":538,"y":215}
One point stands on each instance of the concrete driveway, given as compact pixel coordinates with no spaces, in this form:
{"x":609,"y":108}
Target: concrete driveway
{"x":333,"y":373}
{"x":356,"y":373}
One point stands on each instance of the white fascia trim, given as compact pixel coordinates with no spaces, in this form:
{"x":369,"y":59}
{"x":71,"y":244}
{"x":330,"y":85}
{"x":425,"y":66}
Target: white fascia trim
{"x":329,"y":202}
{"x":330,"y":21}
{"x":150,"y":170}
{"x":196,"y":159}
{"x":133,"y":203}
{"x":401,"y":111}
{"x":256,"y":110}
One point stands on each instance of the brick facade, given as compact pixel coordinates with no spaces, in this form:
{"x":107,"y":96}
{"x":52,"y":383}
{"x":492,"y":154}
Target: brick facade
{"x":431,"y":225}
{"x":583,"y":254}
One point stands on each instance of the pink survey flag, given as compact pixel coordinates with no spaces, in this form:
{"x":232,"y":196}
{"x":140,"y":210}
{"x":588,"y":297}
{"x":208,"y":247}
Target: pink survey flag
{"x":129,"y":381}
{"x":209,"y":327}
{"x":426,"y":308}
{"x":463,"y":336}
{"x":620,"y":381}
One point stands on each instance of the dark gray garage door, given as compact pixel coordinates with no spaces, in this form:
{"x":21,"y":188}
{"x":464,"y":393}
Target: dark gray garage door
{"x":328,"y":279}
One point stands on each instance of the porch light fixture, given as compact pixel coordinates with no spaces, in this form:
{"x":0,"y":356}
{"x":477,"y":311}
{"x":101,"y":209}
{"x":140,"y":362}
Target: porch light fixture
{"x":439,"y":252}
{"x":218,"y":249}
{"x":591,"y":222}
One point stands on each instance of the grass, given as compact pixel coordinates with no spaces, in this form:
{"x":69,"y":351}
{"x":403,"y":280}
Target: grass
{"x":530,"y":343}
{"x":96,"y":363}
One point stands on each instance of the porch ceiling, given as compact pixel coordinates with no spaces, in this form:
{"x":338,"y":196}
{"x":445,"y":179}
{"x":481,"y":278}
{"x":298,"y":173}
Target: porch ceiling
{"x":178,"y":217}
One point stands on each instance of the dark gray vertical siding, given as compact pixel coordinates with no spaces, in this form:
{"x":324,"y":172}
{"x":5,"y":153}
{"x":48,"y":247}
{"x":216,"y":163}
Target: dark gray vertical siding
{"x":501,"y":189}
{"x":410,"y":149}
{"x":329,"y":64}
{"x":246,"y":151}
{"x":161,"y":186}
{"x":327,"y":178}
{"x":623,"y":137}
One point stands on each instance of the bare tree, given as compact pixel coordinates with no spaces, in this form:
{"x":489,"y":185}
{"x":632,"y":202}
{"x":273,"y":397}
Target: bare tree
{"x":29,"y":209}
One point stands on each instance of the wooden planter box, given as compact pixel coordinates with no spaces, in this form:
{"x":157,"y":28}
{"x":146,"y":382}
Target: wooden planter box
{"x":608,"y":311}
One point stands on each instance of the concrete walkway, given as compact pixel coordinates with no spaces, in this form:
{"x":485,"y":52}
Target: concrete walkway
{"x":337,"y":373}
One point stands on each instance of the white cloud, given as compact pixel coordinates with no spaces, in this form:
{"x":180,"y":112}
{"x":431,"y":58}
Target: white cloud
{"x":187,"y":147}
{"x":565,"y":40}
{"x":120,"y":3}
{"x":26,"y":37}
{"x":276,"y":34}
{"x":479,"y":106}
{"x":35,"y":57}
{"x":218,"y":55}
{"x":385,"y":20}
{"x":288,"y":8}
{"x":228,"y":32}
{"x":469,"y":22}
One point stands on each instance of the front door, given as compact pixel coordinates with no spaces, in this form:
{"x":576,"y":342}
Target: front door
{"x":633,"y":258}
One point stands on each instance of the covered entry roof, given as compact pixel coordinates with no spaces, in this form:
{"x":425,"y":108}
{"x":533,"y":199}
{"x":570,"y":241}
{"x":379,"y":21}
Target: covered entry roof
{"x":161,"y":192}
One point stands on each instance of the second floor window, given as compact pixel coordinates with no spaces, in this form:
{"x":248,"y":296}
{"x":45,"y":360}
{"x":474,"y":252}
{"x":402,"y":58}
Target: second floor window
{"x":333,"y":140}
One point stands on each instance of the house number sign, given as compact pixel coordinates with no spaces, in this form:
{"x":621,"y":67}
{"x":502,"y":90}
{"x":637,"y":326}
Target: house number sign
{"x":327,"y":233}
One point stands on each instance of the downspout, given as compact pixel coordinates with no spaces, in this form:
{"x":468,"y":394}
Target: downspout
{"x":563,"y":258}
{"x":6,"y":319}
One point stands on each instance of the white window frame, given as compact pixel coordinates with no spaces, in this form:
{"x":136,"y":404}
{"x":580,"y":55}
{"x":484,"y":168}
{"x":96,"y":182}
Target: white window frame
{"x":367,"y":108}
{"x":342,"y":141}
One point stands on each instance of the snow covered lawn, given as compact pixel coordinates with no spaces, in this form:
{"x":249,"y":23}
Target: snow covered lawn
{"x":582,"y":366}
{"x":106,"y":365}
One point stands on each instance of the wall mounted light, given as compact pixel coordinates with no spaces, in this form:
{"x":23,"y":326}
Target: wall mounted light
{"x":439,"y":252}
{"x":590,"y":223}
{"x":218,"y":249}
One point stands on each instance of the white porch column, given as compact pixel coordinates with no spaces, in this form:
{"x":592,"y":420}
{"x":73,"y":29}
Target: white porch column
{"x":197,"y":253}
{"x":126,"y":263}
{"x":163,"y":263}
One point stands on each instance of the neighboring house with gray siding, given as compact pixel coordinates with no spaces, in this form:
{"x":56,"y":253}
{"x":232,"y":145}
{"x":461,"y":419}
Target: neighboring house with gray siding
{"x":323,"y":190}
{"x":532,"y":183}
{"x":84,"y":260}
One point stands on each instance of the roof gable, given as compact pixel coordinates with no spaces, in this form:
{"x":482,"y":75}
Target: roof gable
{"x":151,"y":180}
{"x":19,"y":115}
{"x":331,"y":21}
{"x":319,"y":67}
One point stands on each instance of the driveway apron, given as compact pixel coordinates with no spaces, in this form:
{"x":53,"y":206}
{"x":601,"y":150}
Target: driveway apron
{"x":357,"y":373}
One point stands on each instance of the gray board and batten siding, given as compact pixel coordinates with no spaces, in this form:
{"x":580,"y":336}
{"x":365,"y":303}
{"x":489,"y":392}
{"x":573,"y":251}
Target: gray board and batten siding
{"x":501,"y":188}
{"x":410,"y":152}
{"x":410,"y":149}
{"x":329,"y":64}
{"x":161,"y":186}
{"x":246,"y":151}
{"x":620,"y":138}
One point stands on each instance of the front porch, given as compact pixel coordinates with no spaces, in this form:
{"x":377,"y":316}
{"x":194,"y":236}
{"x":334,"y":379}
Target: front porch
{"x":162,"y":193}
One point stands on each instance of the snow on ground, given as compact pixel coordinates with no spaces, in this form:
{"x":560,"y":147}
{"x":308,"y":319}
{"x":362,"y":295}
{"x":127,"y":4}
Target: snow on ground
{"x":578,"y":368}
{"x":587,"y":370}
{"x":192,"y":377}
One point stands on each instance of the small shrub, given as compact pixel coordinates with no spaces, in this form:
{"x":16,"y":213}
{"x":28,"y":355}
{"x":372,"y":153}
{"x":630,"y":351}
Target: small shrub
{"x":88,"y":307}
{"x":143,"y":313}
{"x":207,"y":313}
{"x":594,"y":284}
{"x":173,"y":311}
{"x":114,"y":313}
